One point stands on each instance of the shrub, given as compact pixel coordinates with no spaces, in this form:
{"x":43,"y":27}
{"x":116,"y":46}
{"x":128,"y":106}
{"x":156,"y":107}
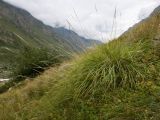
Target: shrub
{"x":30,"y":63}
{"x":33,"y":61}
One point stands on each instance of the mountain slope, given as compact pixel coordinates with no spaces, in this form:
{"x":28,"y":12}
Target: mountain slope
{"x":20,"y":30}
{"x":116,"y":81}
{"x":147,"y":29}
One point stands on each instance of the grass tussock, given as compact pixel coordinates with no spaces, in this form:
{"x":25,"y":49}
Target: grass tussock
{"x":109,"y":67}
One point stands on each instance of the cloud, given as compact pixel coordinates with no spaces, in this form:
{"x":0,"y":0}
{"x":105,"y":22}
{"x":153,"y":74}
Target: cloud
{"x":89,"y":18}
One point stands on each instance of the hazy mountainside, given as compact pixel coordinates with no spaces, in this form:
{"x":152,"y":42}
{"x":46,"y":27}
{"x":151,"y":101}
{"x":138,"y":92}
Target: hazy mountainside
{"x":156,"y":11}
{"x":119,"y":80}
{"x":19,"y":30}
{"x":147,"y":29}
{"x":71,"y":36}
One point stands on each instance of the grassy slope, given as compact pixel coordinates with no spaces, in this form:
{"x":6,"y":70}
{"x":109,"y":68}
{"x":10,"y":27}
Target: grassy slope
{"x":116,"y":81}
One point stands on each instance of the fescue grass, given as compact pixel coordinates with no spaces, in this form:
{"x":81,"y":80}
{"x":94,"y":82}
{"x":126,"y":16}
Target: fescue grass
{"x":109,"y":67}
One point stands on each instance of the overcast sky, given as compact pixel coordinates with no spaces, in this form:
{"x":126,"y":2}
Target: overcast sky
{"x":96,"y":19}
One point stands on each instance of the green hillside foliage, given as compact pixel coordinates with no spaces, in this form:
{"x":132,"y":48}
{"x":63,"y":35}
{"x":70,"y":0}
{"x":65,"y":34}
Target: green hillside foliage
{"x":32,"y":62}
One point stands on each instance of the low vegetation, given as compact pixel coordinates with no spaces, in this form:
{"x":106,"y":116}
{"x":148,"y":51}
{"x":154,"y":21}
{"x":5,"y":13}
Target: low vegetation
{"x":111,"y":82}
{"x":32,"y":62}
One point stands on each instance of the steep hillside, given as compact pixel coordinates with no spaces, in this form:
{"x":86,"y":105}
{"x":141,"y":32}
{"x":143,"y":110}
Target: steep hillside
{"x":147,"y":29}
{"x":19,"y":30}
{"x":116,"y":81}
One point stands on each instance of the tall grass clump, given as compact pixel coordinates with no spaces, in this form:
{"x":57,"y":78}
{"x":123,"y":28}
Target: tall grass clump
{"x":111,"y":66}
